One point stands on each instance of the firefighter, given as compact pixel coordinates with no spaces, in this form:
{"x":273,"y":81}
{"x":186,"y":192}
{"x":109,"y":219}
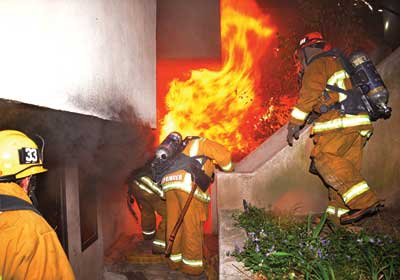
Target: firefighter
{"x":150,"y":199}
{"x":187,"y":250}
{"x":339,"y":132}
{"x":29,"y":247}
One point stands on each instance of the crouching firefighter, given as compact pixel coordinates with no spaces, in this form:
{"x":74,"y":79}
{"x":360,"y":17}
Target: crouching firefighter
{"x":150,"y":200}
{"x":346,"y":94}
{"x":29,"y":247}
{"x":185,"y":169}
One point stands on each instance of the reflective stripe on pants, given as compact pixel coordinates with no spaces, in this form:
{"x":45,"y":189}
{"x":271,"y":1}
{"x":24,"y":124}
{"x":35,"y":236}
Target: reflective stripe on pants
{"x":336,"y":211}
{"x":337,"y":157}
{"x":189,"y":240}
{"x":150,"y":205}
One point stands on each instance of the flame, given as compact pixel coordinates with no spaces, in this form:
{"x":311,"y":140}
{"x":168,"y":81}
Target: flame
{"x":220,"y":105}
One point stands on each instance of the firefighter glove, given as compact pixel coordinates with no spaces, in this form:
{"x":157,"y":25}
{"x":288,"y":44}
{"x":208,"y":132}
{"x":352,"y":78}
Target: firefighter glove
{"x":293,"y":132}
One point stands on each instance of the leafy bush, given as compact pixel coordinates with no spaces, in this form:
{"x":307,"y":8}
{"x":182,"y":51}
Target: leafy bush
{"x":291,"y":248}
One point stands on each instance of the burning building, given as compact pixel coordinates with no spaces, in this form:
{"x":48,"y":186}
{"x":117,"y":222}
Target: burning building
{"x":82,"y":75}
{"x":227,"y":98}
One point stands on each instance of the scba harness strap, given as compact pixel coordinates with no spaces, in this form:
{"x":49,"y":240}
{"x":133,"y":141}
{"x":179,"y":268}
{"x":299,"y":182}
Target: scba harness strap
{"x":368,"y":94}
{"x":12,"y":203}
{"x":354,"y":103}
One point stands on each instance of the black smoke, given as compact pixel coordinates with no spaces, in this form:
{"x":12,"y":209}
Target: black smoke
{"x":104,"y":150}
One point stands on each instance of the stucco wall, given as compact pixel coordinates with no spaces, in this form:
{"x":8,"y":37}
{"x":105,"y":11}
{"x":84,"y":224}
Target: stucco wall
{"x":89,"y":57}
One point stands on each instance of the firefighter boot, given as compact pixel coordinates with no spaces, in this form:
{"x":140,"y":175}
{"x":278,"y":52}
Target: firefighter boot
{"x":356,"y":215}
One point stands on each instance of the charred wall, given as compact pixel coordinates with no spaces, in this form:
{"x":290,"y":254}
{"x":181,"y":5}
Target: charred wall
{"x":80,"y":56}
{"x":88,"y":160}
{"x":88,"y":71}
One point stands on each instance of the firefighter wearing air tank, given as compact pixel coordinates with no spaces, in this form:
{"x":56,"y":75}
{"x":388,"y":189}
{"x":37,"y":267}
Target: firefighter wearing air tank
{"x":190,"y":171}
{"x":346,"y":95}
{"x":150,"y":199}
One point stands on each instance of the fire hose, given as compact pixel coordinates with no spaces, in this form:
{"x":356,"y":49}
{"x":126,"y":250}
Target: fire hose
{"x":179,"y":222}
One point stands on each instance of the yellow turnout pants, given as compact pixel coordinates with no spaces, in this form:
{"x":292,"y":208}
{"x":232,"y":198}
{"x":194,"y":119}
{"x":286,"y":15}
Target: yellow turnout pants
{"x":187,"y":251}
{"x":337,"y":157}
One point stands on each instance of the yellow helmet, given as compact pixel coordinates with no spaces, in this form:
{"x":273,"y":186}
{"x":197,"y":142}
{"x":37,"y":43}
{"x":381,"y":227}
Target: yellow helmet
{"x":19,"y":156}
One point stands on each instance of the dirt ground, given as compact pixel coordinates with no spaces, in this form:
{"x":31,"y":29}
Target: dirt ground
{"x":387,"y":221}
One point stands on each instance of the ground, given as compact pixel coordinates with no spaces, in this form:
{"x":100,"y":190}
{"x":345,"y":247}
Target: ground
{"x":387,"y":221}
{"x":131,"y":256}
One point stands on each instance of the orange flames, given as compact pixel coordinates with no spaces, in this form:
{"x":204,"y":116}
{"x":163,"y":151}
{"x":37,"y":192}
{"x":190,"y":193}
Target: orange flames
{"x":221,"y":105}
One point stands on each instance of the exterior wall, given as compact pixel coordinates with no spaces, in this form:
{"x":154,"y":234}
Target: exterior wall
{"x":89,"y":57}
{"x":89,"y":263}
{"x":381,"y":163}
{"x":274,"y":175}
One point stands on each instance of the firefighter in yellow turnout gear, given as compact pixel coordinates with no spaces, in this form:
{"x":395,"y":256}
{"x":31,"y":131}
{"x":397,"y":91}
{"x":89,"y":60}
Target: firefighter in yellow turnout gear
{"x":150,"y":199}
{"x":29,"y":247}
{"x":339,"y":137}
{"x":187,"y":250}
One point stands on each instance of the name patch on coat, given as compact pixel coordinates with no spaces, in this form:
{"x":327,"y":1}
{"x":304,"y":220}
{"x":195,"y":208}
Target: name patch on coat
{"x":171,"y":178}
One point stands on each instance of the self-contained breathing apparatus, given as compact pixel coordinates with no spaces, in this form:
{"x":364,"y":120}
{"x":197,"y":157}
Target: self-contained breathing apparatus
{"x":369,"y":93}
{"x":169,"y":158}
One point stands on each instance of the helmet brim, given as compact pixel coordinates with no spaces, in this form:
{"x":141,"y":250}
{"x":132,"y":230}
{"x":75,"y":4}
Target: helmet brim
{"x":31,"y":171}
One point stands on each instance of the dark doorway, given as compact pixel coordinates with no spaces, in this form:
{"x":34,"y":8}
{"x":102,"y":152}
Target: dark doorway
{"x":87,"y":209}
{"x":50,"y":193}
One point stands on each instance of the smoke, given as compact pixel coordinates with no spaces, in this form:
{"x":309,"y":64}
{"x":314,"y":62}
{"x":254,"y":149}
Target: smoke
{"x":106,"y":151}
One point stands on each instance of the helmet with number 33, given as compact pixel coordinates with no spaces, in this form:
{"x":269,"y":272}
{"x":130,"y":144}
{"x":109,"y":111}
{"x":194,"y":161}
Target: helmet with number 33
{"x":19,"y":156}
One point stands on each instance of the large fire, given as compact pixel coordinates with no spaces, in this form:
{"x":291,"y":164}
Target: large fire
{"x":227,"y":105}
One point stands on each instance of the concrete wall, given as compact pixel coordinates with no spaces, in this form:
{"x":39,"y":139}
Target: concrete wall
{"x":90,"y":57}
{"x":89,"y":263}
{"x":381,"y":163}
{"x":391,"y":22}
{"x":274,"y":175}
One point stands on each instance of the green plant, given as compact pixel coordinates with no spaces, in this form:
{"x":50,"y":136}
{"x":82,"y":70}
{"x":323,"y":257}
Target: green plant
{"x":284,"y":247}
